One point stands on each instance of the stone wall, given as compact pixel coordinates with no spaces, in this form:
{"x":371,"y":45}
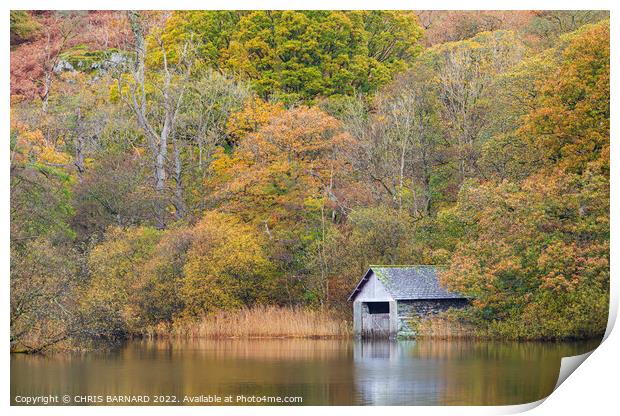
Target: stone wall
{"x":412,"y":311}
{"x":422,"y":308}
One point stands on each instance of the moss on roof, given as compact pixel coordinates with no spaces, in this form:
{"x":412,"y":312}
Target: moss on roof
{"x":409,"y":282}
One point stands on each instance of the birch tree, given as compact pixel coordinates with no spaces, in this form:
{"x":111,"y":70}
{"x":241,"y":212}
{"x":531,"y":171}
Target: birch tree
{"x":157,"y":113}
{"x":465,"y":71}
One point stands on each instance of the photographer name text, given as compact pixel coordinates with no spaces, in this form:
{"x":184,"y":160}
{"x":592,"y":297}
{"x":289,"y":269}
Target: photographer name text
{"x":210,"y":399}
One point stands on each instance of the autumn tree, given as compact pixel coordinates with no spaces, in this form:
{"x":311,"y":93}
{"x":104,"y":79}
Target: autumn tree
{"x":535,"y":114}
{"x":535,"y":257}
{"x":570,"y":124}
{"x":227,"y":267}
{"x":156,"y":100}
{"x":464,"y":74}
{"x":534,"y":254}
{"x":403,"y":146}
{"x":287,"y":168}
{"x":288,"y":178}
{"x":117,"y":282}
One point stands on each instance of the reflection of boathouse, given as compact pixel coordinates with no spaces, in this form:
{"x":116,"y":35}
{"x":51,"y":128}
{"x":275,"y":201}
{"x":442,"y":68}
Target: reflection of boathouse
{"x":393,"y":373}
{"x":388,"y":299}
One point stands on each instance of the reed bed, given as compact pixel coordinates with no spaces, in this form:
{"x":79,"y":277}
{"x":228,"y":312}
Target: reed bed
{"x":261,"y":322}
{"x":442,"y":327}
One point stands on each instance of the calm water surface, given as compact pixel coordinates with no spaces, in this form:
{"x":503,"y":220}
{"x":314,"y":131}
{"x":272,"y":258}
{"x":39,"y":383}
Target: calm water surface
{"x":322,"y":372}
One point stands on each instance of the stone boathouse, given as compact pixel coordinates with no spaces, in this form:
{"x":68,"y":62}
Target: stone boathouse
{"x":389,"y":298}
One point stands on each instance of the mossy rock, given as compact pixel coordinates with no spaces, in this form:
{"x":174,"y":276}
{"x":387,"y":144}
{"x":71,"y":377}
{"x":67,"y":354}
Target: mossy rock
{"x":81,"y":58}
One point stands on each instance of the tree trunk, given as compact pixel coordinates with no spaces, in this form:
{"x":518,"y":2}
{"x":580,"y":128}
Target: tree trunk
{"x":179,"y":202}
{"x":79,"y":146}
{"x":157,"y":143}
{"x":402,"y":175}
{"x":46,"y":91}
{"x":48,"y":67}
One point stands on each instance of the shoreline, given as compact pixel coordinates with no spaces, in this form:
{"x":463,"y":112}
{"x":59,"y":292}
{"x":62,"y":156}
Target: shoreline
{"x":344,"y":338}
{"x":274,"y":322}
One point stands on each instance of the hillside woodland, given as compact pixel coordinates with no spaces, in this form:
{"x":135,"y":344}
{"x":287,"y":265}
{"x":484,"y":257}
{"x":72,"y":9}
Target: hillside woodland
{"x":169,"y":166}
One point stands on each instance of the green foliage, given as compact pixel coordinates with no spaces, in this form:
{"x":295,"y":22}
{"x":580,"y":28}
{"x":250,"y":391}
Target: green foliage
{"x":297,"y":55}
{"x":210,"y":33}
{"x":23,"y":26}
{"x":41,"y":193}
{"x":83,"y":58}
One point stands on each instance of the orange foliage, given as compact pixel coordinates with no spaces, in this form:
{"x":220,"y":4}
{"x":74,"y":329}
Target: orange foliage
{"x":289,"y":166}
{"x":570,"y":125}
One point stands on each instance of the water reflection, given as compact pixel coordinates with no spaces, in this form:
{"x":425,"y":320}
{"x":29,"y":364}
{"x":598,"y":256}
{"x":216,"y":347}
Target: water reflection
{"x":458,"y":372}
{"x":336,"y":372}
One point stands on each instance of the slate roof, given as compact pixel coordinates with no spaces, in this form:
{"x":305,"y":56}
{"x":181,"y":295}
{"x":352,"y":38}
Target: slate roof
{"x":408,"y":282}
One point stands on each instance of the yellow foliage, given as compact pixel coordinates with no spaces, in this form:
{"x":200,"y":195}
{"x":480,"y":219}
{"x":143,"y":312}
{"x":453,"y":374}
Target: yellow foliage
{"x":226,"y":266}
{"x":31,"y":145}
{"x":285,"y":166}
{"x":255,"y":114}
{"x":117,"y":275}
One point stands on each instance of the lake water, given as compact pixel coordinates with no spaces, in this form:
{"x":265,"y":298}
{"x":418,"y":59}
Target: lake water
{"x":321,"y":372}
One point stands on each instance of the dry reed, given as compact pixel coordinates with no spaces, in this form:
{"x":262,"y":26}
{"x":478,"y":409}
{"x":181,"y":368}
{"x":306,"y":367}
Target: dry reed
{"x":261,"y":322}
